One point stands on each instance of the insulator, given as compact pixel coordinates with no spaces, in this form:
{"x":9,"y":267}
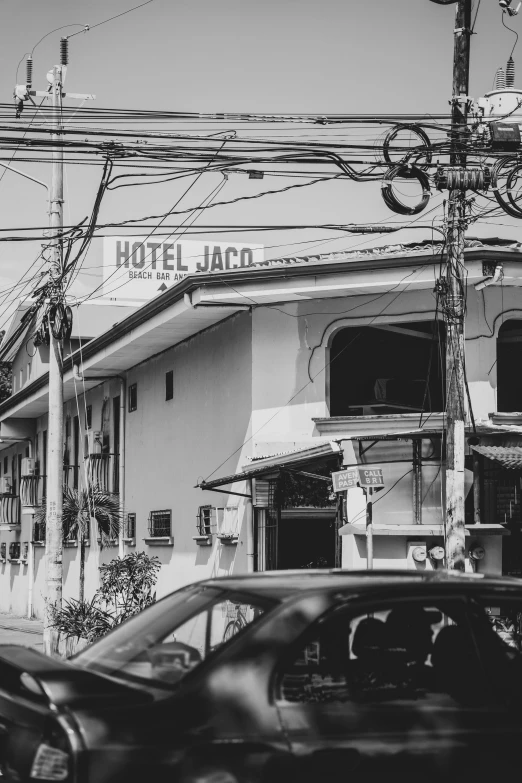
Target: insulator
{"x":500,"y":79}
{"x":510,"y":73}
{"x":29,"y":71}
{"x":462,"y":179}
{"x":64,"y":51}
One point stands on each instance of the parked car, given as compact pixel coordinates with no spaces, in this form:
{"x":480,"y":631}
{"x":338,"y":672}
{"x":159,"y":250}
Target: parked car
{"x":281,"y":677}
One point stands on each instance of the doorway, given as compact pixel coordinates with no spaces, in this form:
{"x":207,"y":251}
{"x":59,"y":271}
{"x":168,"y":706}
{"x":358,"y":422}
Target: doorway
{"x":306,"y":539}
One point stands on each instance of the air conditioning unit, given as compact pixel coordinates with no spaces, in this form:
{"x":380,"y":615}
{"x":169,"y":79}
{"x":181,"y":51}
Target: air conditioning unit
{"x":6,"y":485}
{"x":28,"y":466}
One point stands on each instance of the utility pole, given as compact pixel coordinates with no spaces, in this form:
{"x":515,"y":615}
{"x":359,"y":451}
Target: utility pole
{"x":53,"y":527}
{"x":454,"y":295}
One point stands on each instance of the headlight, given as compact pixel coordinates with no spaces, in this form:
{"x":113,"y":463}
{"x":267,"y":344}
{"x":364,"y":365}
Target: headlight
{"x":50,"y":764}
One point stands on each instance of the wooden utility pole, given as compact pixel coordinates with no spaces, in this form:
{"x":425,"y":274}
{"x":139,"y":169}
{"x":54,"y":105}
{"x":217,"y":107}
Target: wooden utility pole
{"x":454,"y":304}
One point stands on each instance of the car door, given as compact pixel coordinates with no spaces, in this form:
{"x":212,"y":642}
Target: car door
{"x":496,"y":618}
{"x":387,"y":688}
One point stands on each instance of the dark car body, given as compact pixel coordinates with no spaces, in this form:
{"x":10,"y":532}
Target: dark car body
{"x":336,"y":676}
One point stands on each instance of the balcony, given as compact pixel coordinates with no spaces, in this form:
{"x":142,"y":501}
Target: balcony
{"x":9,"y":510}
{"x":103,"y":471}
{"x":33,"y":488}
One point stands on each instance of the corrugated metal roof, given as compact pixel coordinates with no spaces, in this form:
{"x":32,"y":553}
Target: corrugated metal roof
{"x":508,"y":456}
{"x":404,"y":249}
{"x":268,"y":464}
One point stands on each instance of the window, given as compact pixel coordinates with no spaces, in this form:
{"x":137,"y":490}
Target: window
{"x":169,"y":385}
{"x":174,"y":636}
{"x":160,"y":523}
{"x":130,"y":529}
{"x":3,"y":550}
{"x":205,"y":519}
{"x":509,"y":355}
{"x":398,"y":369}
{"x":395,"y":653}
{"x":133,"y":397}
{"x":88,"y":417}
{"x":14,"y":550}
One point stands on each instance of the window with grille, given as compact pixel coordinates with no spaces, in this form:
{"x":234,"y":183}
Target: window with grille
{"x":130,"y":531}
{"x":3,"y":550}
{"x":160,"y":523}
{"x":133,"y":397}
{"x":169,"y":385}
{"x":39,"y":531}
{"x":14,"y":550}
{"x":205,"y":519}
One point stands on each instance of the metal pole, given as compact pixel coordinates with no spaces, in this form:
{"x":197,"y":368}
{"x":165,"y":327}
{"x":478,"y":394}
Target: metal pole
{"x":53,"y":528}
{"x":455,"y":302}
{"x":121,"y":468}
{"x":369,"y":529}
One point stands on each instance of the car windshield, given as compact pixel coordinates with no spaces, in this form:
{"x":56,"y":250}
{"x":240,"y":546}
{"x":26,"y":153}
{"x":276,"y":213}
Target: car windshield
{"x":162,"y":644}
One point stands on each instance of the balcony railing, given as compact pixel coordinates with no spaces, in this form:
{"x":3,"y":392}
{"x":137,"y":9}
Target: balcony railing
{"x":103,"y":471}
{"x":9,"y":510}
{"x":31,"y":490}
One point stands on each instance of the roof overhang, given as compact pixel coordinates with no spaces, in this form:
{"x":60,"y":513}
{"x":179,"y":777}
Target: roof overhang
{"x":201,"y":301}
{"x":270,"y":465}
{"x":509,"y":457}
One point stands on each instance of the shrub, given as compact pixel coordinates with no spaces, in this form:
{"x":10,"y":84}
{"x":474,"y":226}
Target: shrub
{"x":126,"y":588}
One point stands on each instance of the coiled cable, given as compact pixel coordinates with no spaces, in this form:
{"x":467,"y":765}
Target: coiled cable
{"x":400,"y":171}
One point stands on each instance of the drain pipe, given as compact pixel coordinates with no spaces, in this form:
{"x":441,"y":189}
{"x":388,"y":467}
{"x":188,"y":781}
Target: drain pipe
{"x":497,"y":277}
{"x":121,"y":534}
{"x":249,"y":520}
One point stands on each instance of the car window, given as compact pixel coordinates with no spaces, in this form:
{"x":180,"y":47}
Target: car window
{"x":405,"y":651}
{"x":168,"y":644}
{"x":497,"y":626}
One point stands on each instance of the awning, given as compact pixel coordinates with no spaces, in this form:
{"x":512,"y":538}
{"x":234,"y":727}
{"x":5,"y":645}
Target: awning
{"x":293,"y":459}
{"x":508,"y":456}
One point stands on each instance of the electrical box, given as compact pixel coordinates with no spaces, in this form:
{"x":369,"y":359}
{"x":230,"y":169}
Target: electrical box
{"x":6,"y":485}
{"x":28,"y":466}
{"x":416,"y":555}
{"x":504,"y":136}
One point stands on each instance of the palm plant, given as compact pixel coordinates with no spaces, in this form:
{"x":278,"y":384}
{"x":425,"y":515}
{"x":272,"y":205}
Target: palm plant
{"x":79,"y":507}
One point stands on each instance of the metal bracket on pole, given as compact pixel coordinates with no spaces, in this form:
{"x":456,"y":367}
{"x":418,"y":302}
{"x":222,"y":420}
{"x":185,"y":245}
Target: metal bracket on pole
{"x":76,"y":95}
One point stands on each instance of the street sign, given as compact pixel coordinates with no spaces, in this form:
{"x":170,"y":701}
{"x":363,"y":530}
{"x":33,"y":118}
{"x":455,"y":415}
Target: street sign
{"x":139,"y":268}
{"x":345,"y":479}
{"x":371,"y":477}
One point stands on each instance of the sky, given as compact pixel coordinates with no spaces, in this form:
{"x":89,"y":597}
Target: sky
{"x":289,"y":56}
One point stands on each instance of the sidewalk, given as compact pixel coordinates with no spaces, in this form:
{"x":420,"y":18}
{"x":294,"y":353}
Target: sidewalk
{"x":20,"y":630}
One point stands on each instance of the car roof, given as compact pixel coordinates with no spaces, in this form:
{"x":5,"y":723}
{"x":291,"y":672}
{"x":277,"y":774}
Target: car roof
{"x":286,"y":584}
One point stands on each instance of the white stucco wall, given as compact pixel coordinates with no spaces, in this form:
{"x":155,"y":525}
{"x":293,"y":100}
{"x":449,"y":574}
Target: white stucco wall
{"x":201,"y":432}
